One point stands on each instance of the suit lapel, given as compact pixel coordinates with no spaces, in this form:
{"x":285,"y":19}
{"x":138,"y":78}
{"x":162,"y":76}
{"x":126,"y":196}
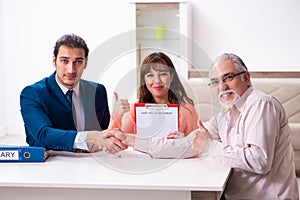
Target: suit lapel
{"x":56,"y":91}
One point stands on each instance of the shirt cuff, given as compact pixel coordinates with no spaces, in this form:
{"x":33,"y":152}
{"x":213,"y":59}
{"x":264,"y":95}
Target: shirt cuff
{"x":142,"y":144}
{"x":79,"y":142}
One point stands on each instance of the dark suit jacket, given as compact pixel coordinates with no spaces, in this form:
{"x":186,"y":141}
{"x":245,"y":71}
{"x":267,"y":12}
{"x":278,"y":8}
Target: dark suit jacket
{"x":48,"y":116}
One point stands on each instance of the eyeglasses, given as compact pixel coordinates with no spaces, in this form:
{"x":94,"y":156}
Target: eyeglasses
{"x":225,"y":78}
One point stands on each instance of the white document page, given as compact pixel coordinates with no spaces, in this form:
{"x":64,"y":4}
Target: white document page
{"x":156,"y":120}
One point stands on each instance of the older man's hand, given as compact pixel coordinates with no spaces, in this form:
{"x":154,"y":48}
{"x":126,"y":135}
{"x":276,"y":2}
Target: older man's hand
{"x":202,"y":139}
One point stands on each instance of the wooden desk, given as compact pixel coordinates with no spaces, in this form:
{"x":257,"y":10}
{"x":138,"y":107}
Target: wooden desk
{"x":131,"y":175}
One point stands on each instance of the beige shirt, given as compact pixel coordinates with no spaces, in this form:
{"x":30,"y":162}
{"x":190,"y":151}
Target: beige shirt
{"x":254,"y":139}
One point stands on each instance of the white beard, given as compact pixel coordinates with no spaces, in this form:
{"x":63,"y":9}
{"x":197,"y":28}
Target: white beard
{"x":228,"y":105}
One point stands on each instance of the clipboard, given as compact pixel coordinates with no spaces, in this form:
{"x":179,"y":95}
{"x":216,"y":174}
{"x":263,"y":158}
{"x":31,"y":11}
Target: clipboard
{"x":155,"y":120}
{"x":10,"y":153}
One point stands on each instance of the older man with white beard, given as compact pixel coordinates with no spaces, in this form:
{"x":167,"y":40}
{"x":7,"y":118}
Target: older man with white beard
{"x":249,"y":134}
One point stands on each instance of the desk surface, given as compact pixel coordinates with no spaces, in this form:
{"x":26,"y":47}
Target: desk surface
{"x":128,"y":170}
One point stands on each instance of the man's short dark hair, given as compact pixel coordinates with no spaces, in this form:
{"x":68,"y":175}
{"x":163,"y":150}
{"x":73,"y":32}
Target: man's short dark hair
{"x":72,"y":41}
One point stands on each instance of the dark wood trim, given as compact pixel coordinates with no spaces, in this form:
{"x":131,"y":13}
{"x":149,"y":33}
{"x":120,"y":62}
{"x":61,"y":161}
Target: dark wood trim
{"x":203,"y":74}
{"x":208,"y":195}
{"x":275,"y":74}
{"x":197,"y":74}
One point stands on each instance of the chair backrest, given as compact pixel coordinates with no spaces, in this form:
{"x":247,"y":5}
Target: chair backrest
{"x":286,"y":90}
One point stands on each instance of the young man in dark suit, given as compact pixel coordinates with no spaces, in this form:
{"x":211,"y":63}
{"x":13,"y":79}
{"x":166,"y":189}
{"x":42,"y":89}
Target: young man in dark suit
{"x":65,"y":112}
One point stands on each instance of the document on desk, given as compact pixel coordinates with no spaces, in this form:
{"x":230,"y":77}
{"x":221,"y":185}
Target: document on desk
{"x":156,"y":120}
{"x":10,"y":153}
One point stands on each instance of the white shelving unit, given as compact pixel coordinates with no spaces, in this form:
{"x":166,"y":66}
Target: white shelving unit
{"x":162,"y":26}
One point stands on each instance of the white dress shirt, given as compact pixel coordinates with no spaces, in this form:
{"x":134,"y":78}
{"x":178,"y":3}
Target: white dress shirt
{"x":255,"y":141}
{"x":253,"y":138}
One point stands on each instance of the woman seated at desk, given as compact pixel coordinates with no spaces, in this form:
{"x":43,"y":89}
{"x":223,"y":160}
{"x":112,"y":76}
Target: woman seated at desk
{"x":159,"y":84}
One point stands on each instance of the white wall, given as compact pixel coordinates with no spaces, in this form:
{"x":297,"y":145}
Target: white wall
{"x":264,"y":33}
{"x":2,"y":71}
{"x":31,"y":29}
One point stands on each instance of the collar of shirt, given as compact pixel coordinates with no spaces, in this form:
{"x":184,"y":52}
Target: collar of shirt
{"x":65,"y":90}
{"x":238,"y":105}
{"x":241,"y":101}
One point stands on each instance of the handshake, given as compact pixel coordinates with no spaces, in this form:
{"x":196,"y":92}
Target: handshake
{"x":111,"y":141}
